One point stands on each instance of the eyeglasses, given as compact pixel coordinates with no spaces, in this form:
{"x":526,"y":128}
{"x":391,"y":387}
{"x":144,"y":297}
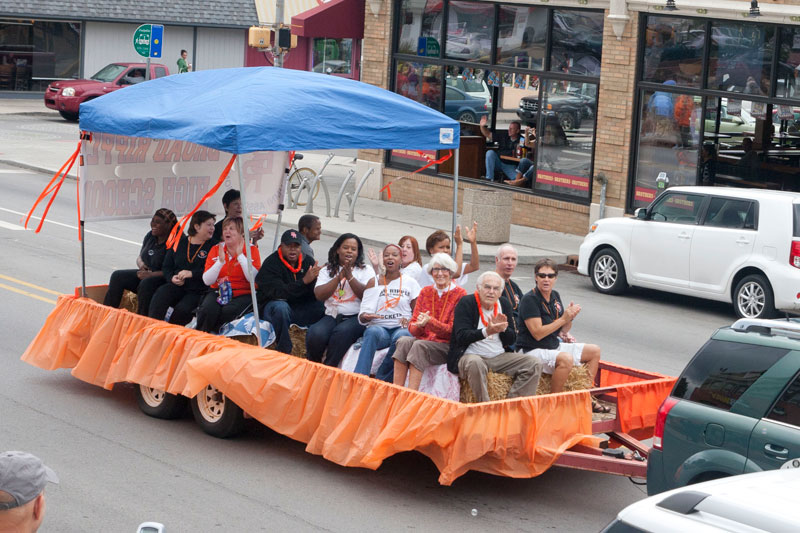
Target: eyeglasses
{"x":491,"y":288}
{"x":542,"y":275}
{"x":439,"y":269}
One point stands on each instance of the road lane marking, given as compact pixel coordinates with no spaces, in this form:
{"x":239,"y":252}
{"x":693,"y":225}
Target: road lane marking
{"x":31,"y":285}
{"x":14,"y":171}
{"x":73,"y":227}
{"x":10,"y":226}
{"x":26,"y":293}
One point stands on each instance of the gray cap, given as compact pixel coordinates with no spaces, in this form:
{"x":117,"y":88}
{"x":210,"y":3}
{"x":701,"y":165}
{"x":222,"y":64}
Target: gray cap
{"x":24,"y":477}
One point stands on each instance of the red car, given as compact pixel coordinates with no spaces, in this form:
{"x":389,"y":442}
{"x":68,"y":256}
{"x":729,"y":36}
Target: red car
{"x":67,"y":95}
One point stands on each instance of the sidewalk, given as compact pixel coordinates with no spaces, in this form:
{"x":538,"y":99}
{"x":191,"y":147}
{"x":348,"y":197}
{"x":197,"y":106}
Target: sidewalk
{"x":376,"y":222}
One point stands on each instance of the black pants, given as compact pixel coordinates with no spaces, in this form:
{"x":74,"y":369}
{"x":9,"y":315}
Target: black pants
{"x":127,"y":279}
{"x":211,"y":315}
{"x":183,"y":303}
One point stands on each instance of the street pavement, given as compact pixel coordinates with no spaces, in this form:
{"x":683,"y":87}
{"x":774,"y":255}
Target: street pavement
{"x":37,"y":138}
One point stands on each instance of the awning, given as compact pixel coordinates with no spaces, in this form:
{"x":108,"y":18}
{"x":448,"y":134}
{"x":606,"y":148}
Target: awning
{"x":337,"y":19}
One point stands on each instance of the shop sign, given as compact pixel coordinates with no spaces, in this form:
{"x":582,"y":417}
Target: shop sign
{"x":785,"y":112}
{"x":562,"y":180}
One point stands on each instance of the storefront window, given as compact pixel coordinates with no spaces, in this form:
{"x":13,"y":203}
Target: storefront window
{"x":332,"y":56}
{"x":577,"y":42}
{"x":522,"y":36}
{"x":420,"y":82}
{"x":469,"y":31}
{"x":420,"y":19}
{"x":741,"y":57}
{"x":467,"y":97}
{"x":788,"y":64}
{"x":566,"y":138}
{"x":674,"y":50}
{"x":32,"y":54}
{"x":669,"y":142}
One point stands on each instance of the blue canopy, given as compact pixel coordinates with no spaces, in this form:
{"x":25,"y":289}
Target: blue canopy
{"x":241,"y":110}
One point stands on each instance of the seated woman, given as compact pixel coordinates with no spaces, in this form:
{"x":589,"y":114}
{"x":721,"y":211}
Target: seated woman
{"x":148,"y":277}
{"x":431,"y":325}
{"x":543,"y":318}
{"x":183,"y":270}
{"x":386,"y":309}
{"x":411,"y":258}
{"x":228,"y":272}
{"x":439,"y":242}
{"x":340,"y":285}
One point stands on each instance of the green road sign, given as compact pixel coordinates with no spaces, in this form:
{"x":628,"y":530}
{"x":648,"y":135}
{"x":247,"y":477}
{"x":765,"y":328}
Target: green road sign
{"x":141,"y":39}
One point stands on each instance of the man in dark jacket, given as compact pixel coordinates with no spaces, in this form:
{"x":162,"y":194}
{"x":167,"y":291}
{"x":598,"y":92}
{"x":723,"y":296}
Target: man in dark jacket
{"x":481,"y":341}
{"x":286,"y":284}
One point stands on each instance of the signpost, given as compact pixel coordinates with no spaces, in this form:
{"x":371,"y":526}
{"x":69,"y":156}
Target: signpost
{"x":147,"y":41}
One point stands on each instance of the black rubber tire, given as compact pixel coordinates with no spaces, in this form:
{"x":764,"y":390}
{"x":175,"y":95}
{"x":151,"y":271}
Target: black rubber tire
{"x":466,"y":116}
{"x":569,"y":121}
{"x":753,"y":298}
{"x":66,"y":115}
{"x":217,"y":415}
{"x":160,"y":404}
{"x":607,"y":272}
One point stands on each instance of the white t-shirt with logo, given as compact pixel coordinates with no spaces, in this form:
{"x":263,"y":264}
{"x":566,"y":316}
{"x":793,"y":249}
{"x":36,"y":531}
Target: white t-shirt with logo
{"x":347,"y":303}
{"x":424,"y":279}
{"x":412,"y":269}
{"x":375,"y":301}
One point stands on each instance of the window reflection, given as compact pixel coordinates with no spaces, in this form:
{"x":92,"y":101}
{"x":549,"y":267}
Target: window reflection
{"x":674,"y":50}
{"x":788,"y":63}
{"x":741,"y":57}
{"x":420,"y":18}
{"x":469,"y":31}
{"x":522,"y":37}
{"x":44,"y":50}
{"x":577,"y":42}
{"x":332,"y":56}
{"x":470,"y":97}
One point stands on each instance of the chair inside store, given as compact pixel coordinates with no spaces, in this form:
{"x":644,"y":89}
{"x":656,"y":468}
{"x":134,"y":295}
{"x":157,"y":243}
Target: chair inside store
{"x":6,"y":77}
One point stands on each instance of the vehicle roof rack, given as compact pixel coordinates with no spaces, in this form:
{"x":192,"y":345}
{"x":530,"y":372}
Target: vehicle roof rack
{"x":787,"y":327}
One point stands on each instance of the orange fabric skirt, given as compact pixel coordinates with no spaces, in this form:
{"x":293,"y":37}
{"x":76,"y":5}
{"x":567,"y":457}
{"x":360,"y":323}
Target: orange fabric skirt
{"x":347,"y":418}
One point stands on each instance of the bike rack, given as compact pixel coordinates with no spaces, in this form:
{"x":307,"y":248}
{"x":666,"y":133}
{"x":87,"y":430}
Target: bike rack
{"x":342,"y":193}
{"x":319,"y":178}
{"x":351,"y":215}
{"x":292,"y":203}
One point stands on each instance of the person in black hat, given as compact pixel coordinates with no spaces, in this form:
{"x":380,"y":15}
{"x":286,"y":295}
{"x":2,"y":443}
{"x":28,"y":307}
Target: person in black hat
{"x":23,"y":478}
{"x":286,"y":289}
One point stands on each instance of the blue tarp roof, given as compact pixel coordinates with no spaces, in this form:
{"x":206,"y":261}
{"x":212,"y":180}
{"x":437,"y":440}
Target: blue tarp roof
{"x":241,"y":110}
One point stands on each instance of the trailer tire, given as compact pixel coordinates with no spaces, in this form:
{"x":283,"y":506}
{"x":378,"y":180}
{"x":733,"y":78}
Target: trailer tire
{"x":160,"y":404}
{"x":217,"y":415}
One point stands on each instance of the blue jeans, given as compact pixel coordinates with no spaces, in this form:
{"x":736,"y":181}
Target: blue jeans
{"x":377,"y":338}
{"x":335,"y":334}
{"x":493,"y":161}
{"x":281,"y":315}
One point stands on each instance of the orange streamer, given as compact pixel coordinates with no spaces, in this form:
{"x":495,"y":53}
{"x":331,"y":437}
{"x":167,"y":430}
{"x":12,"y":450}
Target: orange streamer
{"x":177,"y":230}
{"x":53,"y":186}
{"x":447,"y":156}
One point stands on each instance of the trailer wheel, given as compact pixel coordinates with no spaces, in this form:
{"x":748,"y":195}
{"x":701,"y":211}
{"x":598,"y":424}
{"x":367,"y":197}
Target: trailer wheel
{"x":160,"y":404}
{"x":217,"y":415}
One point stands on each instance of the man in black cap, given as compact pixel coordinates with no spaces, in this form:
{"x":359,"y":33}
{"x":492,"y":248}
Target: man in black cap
{"x":286,"y":284}
{"x":22,"y":481}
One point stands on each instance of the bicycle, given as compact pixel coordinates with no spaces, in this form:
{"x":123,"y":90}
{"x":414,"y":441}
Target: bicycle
{"x":297,"y":176}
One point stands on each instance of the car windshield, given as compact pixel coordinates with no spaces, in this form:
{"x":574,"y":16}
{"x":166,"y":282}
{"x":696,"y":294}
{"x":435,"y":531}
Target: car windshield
{"x":108,"y":73}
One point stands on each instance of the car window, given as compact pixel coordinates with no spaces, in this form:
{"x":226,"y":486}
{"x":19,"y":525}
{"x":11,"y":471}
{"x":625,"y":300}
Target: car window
{"x":679,"y":208}
{"x":787,"y":408}
{"x":108,"y":73}
{"x":730,"y":213}
{"x":161,"y":72}
{"x":797,"y":220}
{"x":452,"y":94}
{"x":722,"y":371}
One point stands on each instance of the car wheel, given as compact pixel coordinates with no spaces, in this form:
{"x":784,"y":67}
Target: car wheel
{"x":753,"y":298}
{"x":467,"y":116}
{"x":568,"y":121}
{"x":608,"y":273}
{"x":160,"y":404}
{"x":66,"y":115}
{"x":217,"y":415}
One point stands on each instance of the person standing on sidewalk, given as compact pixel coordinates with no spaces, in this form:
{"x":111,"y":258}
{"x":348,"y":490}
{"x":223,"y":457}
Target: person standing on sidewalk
{"x":183,"y":66}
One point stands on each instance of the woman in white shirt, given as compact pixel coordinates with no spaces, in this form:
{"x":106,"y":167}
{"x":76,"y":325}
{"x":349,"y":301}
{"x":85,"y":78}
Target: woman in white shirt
{"x":340,"y":285}
{"x":386,"y":309}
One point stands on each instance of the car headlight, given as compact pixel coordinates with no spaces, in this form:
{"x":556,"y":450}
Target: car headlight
{"x":68,"y":91}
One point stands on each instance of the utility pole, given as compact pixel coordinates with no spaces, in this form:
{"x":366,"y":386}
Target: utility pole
{"x":277,"y":53}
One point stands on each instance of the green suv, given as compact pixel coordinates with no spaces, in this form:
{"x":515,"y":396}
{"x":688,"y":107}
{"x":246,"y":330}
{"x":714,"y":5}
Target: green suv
{"x":735,"y":408}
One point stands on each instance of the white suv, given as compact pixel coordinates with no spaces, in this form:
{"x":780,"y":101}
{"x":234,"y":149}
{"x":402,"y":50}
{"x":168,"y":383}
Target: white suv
{"x":732,"y":245}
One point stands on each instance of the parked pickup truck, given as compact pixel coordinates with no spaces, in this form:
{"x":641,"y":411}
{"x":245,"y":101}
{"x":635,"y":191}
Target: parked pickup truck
{"x":66,"y":96}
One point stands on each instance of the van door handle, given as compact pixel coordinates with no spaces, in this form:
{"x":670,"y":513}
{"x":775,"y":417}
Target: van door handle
{"x":778,"y":452}
{"x":742,"y":240}
{"x":683,"y":235}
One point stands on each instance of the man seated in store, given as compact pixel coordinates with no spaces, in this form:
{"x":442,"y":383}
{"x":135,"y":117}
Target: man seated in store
{"x":750,"y":159}
{"x":481,"y":340}
{"x":232,"y":203}
{"x":525,"y":179}
{"x":286,"y":284}
{"x":507,"y":145}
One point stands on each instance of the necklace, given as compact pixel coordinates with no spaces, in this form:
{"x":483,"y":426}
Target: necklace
{"x":189,"y":245}
{"x":480,"y":310}
{"x":512,"y":296}
{"x":391,"y":302}
{"x":444,"y":305}
{"x":293,"y":270}
{"x":340,"y":290}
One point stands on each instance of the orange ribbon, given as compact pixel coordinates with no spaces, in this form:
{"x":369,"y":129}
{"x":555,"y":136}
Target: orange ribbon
{"x":177,"y":229}
{"x":259,"y":221}
{"x":53,"y":186}
{"x":430,"y":164}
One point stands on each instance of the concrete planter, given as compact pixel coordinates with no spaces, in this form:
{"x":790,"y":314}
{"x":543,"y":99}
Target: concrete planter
{"x":491,"y":209}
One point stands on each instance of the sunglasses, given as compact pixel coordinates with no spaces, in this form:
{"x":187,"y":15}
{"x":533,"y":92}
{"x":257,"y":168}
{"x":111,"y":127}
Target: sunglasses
{"x":542,"y":275}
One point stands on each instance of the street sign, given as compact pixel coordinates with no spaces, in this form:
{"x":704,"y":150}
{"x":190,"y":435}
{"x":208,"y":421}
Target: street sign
{"x":428,"y":46}
{"x":148,"y":39}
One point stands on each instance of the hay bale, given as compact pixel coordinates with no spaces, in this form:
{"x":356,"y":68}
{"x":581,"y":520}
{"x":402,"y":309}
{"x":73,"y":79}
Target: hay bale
{"x":250,"y":339}
{"x":298,"y":337}
{"x":130,"y":302}
{"x":499,"y":384}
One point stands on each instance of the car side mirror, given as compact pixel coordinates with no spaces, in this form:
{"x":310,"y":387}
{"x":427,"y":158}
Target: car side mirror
{"x":641,"y":213}
{"x":124,"y":81}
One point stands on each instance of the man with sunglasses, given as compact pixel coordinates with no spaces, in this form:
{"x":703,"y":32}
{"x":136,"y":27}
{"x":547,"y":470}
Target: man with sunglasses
{"x":543,"y":321}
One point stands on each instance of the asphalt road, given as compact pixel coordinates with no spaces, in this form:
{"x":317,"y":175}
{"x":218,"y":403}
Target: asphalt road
{"x":119,"y":468}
